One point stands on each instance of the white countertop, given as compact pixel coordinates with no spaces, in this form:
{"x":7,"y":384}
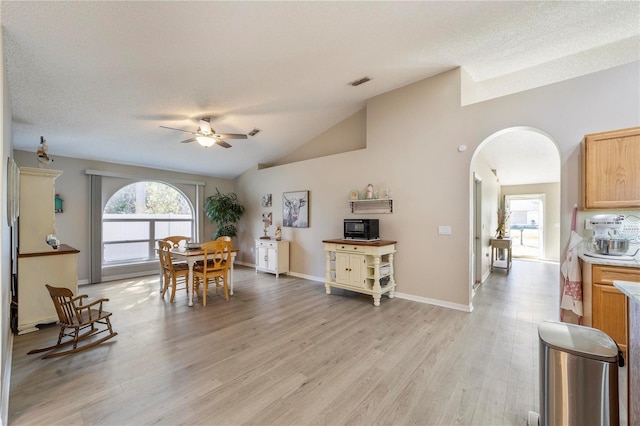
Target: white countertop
{"x":629,"y":288}
{"x":611,"y":260}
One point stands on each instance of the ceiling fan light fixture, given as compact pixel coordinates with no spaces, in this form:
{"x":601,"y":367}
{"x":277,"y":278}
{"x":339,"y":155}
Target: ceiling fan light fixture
{"x":205,"y":141}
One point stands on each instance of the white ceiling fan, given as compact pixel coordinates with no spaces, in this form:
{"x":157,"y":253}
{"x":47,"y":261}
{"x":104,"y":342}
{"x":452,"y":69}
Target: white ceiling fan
{"x":207,"y":136}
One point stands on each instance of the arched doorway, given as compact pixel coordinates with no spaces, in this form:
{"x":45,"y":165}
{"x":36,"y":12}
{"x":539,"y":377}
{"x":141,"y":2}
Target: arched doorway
{"x":513,"y":161}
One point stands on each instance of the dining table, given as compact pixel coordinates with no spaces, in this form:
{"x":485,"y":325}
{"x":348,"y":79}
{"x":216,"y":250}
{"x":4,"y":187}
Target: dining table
{"x":191,"y":256}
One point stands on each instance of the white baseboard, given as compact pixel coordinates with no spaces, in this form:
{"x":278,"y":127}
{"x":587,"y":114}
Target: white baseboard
{"x":442,"y":303}
{"x":307,"y":277}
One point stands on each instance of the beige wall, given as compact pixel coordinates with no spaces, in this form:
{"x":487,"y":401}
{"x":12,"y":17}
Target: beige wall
{"x":412,"y":139}
{"x":348,"y":135}
{"x":551,"y":213}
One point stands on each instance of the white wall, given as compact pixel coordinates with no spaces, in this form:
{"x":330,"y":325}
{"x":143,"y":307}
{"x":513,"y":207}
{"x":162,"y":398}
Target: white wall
{"x":412,"y":139}
{"x":489,"y":209}
{"x":6,"y":338}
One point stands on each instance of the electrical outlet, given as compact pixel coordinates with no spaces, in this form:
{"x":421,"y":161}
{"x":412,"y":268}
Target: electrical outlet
{"x":444,"y":230}
{"x":587,"y":224}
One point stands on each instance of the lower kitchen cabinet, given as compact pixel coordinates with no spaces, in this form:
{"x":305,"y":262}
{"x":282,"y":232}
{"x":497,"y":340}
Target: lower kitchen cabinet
{"x":272,"y":256}
{"x":606,"y":308}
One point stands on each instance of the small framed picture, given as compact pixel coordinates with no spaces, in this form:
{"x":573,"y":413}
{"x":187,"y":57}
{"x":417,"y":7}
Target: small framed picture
{"x":354,"y":195}
{"x":266,"y":200}
{"x":267,"y":218}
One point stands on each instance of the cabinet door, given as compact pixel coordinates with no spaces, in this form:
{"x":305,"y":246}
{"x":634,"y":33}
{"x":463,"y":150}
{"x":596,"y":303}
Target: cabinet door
{"x":262,"y":257}
{"x":611,"y":169}
{"x":350,"y":269}
{"x":610,"y":313}
{"x":357,"y":270}
{"x":272,"y":259}
{"x":342,"y":267}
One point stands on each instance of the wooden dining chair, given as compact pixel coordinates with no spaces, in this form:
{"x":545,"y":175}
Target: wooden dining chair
{"x":74,"y":316}
{"x":175,"y":240}
{"x":215,"y":267}
{"x":172,"y":273}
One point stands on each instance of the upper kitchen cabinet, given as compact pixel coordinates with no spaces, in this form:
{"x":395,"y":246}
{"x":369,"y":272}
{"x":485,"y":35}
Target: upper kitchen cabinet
{"x":611,"y":169}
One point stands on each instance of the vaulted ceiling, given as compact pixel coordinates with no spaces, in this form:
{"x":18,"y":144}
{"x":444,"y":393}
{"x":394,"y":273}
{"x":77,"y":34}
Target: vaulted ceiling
{"x":97,"y":79}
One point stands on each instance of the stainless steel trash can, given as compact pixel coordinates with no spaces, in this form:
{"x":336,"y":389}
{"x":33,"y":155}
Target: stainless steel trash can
{"x":578,"y":376}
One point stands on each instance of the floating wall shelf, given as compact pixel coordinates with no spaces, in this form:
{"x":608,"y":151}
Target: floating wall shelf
{"x":372,"y":206}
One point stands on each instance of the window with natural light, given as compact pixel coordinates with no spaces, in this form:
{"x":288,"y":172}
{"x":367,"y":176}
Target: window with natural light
{"x":137,"y":216}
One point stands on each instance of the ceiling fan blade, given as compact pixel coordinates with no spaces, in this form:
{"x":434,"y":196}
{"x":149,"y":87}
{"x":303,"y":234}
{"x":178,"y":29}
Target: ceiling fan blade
{"x":189,"y":140}
{"x":222,"y":143}
{"x":205,"y":126}
{"x":230,"y":136}
{"x":180,"y":130}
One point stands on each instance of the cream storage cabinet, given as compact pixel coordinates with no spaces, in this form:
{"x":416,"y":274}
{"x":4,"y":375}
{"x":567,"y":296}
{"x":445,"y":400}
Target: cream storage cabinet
{"x":611,"y":170}
{"x":272,"y":256}
{"x":39,"y":263}
{"x":365,"y":267}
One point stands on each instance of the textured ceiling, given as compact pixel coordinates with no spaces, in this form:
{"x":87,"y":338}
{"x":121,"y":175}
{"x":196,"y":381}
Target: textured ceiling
{"x":98,"y":78}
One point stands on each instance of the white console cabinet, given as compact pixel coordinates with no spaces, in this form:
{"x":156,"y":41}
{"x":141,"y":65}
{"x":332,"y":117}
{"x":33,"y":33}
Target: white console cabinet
{"x":365,"y":267}
{"x":272,"y":256}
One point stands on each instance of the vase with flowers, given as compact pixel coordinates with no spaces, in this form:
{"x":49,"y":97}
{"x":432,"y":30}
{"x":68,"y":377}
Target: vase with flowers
{"x":503,"y":216}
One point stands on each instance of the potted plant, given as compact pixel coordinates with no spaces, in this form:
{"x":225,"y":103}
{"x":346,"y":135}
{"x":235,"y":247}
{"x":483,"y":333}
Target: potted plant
{"x":224,"y":210}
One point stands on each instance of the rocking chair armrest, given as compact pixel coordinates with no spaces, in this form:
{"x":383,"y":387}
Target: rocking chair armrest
{"x":91,"y":304}
{"x":79,"y":297}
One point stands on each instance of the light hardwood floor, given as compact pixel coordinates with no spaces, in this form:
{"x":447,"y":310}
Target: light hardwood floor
{"x":282,"y":352}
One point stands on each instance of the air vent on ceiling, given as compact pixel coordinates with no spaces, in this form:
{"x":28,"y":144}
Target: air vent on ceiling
{"x":359,"y":81}
{"x":254,"y":132}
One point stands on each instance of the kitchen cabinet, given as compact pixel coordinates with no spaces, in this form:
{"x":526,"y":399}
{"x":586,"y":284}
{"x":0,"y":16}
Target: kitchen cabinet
{"x":364,"y":267}
{"x":605,"y":306}
{"x":272,"y":256}
{"x":611,"y":169}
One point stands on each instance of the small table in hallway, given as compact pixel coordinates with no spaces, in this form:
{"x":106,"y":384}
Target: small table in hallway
{"x":497,"y":244}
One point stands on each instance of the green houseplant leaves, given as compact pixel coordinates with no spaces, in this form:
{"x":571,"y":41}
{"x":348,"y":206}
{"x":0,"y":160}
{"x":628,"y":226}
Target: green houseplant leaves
{"x":224,"y":210}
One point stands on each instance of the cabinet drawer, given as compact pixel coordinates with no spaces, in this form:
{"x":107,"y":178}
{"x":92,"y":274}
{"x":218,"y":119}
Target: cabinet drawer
{"x":266,"y":244}
{"x":350,"y":248}
{"x":607,"y":274}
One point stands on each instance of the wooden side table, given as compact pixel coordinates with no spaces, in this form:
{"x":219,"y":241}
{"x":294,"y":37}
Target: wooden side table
{"x":497,"y":244}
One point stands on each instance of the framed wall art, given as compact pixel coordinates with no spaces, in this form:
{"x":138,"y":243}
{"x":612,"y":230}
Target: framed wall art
{"x":266,"y":200}
{"x":295,"y":209}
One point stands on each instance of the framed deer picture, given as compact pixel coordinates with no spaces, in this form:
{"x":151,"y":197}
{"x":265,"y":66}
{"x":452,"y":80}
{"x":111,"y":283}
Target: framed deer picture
{"x":295,"y":209}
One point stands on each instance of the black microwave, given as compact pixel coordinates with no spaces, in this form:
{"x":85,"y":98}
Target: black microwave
{"x":361,"y":229}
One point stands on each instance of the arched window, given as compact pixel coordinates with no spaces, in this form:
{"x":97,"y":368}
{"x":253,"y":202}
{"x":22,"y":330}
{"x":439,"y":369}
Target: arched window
{"x":138,"y":215}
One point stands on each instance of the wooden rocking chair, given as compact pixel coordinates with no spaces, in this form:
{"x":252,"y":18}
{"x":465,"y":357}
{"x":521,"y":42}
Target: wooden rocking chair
{"x":75,"y":316}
